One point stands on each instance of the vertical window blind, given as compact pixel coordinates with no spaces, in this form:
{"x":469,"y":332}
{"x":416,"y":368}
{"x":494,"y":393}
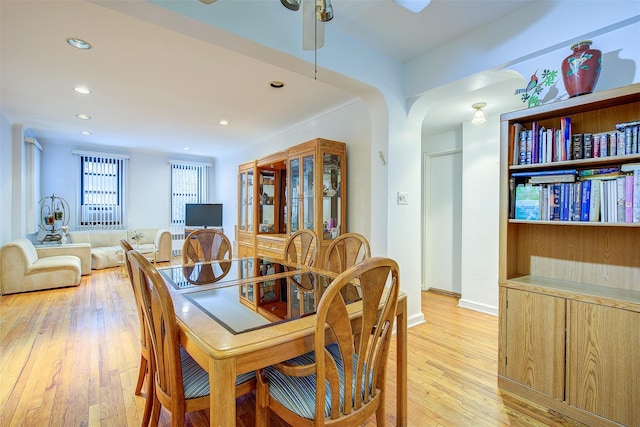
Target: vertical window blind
{"x":103,"y":179}
{"x":189,"y":184}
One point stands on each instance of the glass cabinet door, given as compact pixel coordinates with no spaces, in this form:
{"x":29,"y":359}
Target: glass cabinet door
{"x":242,"y":220}
{"x":294,"y":171}
{"x":331,"y":194}
{"x":309,"y":194}
{"x":249,"y":201}
{"x":245,"y":200}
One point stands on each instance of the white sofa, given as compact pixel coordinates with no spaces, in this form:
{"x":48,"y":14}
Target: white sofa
{"x":22,"y":269}
{"x":105,"y":244}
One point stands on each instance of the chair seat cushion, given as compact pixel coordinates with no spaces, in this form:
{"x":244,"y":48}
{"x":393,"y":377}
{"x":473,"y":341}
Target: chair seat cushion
{"x":195,"y":380}
{"x":298,"y":393}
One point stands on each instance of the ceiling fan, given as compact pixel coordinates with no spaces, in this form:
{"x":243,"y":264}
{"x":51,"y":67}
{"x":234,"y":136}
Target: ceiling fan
{"x":314,"y":14}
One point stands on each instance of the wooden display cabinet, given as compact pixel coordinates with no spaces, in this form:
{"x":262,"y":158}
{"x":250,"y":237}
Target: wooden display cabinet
{"x":582,"y":277}
{"x":301,"y":187}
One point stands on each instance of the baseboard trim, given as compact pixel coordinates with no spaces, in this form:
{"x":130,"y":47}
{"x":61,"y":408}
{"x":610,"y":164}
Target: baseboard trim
{"x":445,"y":293}
{"x":482,"y":308}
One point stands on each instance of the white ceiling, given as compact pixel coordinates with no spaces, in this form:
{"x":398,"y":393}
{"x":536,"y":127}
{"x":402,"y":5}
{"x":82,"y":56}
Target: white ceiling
{"x":156,"y":87}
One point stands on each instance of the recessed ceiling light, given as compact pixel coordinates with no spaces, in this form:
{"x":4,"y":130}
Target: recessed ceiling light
{"x":277,"y":84}
{"x":83,"y":116}
{"x":186,"y":148}
{"x":83,"y":90}
{"x":223,"y":122}
{"x":78,"y":43}
{"x":85,"y":132}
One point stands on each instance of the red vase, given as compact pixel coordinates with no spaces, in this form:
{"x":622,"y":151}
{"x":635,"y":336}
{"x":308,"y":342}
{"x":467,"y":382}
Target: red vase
{"x":581,"y":69}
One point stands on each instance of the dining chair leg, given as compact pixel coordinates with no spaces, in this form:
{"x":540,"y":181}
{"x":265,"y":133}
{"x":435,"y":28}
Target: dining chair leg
{"x":381,"y":416}
{"x":262,"y":402}
{"x":148,"y":403}
{"x":141,"y":374}
{"x":155,"y":412}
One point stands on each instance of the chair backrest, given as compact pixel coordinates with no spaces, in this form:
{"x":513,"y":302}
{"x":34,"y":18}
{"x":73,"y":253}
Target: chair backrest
{"x":358,"y":359}
{"x":206,"y":244}
{"x":160,"y":317}
{"x":345,"y":251}
{"x":144,"y":333}
{"x":302,"y":247}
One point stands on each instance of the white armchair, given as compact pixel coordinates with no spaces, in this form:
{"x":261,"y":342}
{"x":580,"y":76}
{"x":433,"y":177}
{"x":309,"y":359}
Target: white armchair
{"x":21,"y":270}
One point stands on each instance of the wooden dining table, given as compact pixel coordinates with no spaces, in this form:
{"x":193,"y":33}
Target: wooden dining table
{"x":245,"y":314}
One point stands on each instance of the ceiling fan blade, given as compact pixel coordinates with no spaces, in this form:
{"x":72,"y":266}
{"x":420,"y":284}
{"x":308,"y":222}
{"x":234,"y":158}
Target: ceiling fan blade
{"x":208,"y":1}
{"x":312,"y":29}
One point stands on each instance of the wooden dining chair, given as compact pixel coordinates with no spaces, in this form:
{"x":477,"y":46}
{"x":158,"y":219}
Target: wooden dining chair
{"x":145,"y":343}
{"x":180,"y":384}
{"x":342,"y":381}
{"x":206,"y":244}
{"x":302,"y":247}
{"x":345,"y":251}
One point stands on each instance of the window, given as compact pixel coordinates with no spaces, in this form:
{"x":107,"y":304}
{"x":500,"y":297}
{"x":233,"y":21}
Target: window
{"x":102,"y":195}
{"x":189,"y":184}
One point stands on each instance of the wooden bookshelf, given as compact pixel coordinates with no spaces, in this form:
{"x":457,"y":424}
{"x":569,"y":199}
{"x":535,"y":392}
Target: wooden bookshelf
{"x":570,"y":290}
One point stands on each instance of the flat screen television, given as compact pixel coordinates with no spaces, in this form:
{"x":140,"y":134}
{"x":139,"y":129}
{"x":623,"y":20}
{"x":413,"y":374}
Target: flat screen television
{"x":203,"y":215}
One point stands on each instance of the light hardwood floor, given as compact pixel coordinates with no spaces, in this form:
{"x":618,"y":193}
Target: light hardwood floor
{"x":69,"y":357}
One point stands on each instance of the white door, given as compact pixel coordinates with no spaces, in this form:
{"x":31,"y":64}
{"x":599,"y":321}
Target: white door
{"x":443,"y":221}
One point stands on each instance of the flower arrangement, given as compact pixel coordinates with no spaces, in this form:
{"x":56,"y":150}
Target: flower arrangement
{"x":136,"y":236}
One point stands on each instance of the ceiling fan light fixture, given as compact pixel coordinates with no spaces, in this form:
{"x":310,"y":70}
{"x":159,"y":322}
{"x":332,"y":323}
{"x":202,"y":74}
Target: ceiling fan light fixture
{"x":324,"y":10}
{"x":478,"y":116}
{"x":291,"y":4}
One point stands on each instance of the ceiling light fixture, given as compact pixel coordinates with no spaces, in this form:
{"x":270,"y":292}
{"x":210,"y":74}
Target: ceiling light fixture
{"x":223,"y":122}
{"x":83,"y":116}
{"x":291,"y":4}
{"x":324,"y":10}
{"x":83,"y":90}
{"x":478,"y":116}
{"x":276,"y":84}
{"x":414,"y":6}
{"x":78,"y":43}
{"x":85,"y":132}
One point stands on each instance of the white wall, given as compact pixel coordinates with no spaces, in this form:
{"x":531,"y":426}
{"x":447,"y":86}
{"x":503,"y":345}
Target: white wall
{"x":480,"y":215}
{"x":148,"y":192}
{"x":5,"y":179}
{"x":350,"y":124}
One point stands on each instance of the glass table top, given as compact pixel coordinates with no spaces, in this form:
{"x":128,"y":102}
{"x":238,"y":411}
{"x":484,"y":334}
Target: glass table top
{"x":270,"y":299}
{"x":215,"y":272}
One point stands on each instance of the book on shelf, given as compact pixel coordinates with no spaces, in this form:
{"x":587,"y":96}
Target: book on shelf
{"x":628,"y":198}
{"x":576,"y":142}
{"x":630,"y":167}
{"x":548,"y":179}
{"x":589,"y":152}
{"x":517,"y":129}
{"x":620,"y":198}
{"x":545,"y":172}
{"x":598,"y":171}
{"x":594,"y":202}
{"x":585,"y":201}
{"x":636,"y":195}
{"x":527,"y":202}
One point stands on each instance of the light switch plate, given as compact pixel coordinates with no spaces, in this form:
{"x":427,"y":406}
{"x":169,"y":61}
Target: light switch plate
{"x":403,"y":198}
